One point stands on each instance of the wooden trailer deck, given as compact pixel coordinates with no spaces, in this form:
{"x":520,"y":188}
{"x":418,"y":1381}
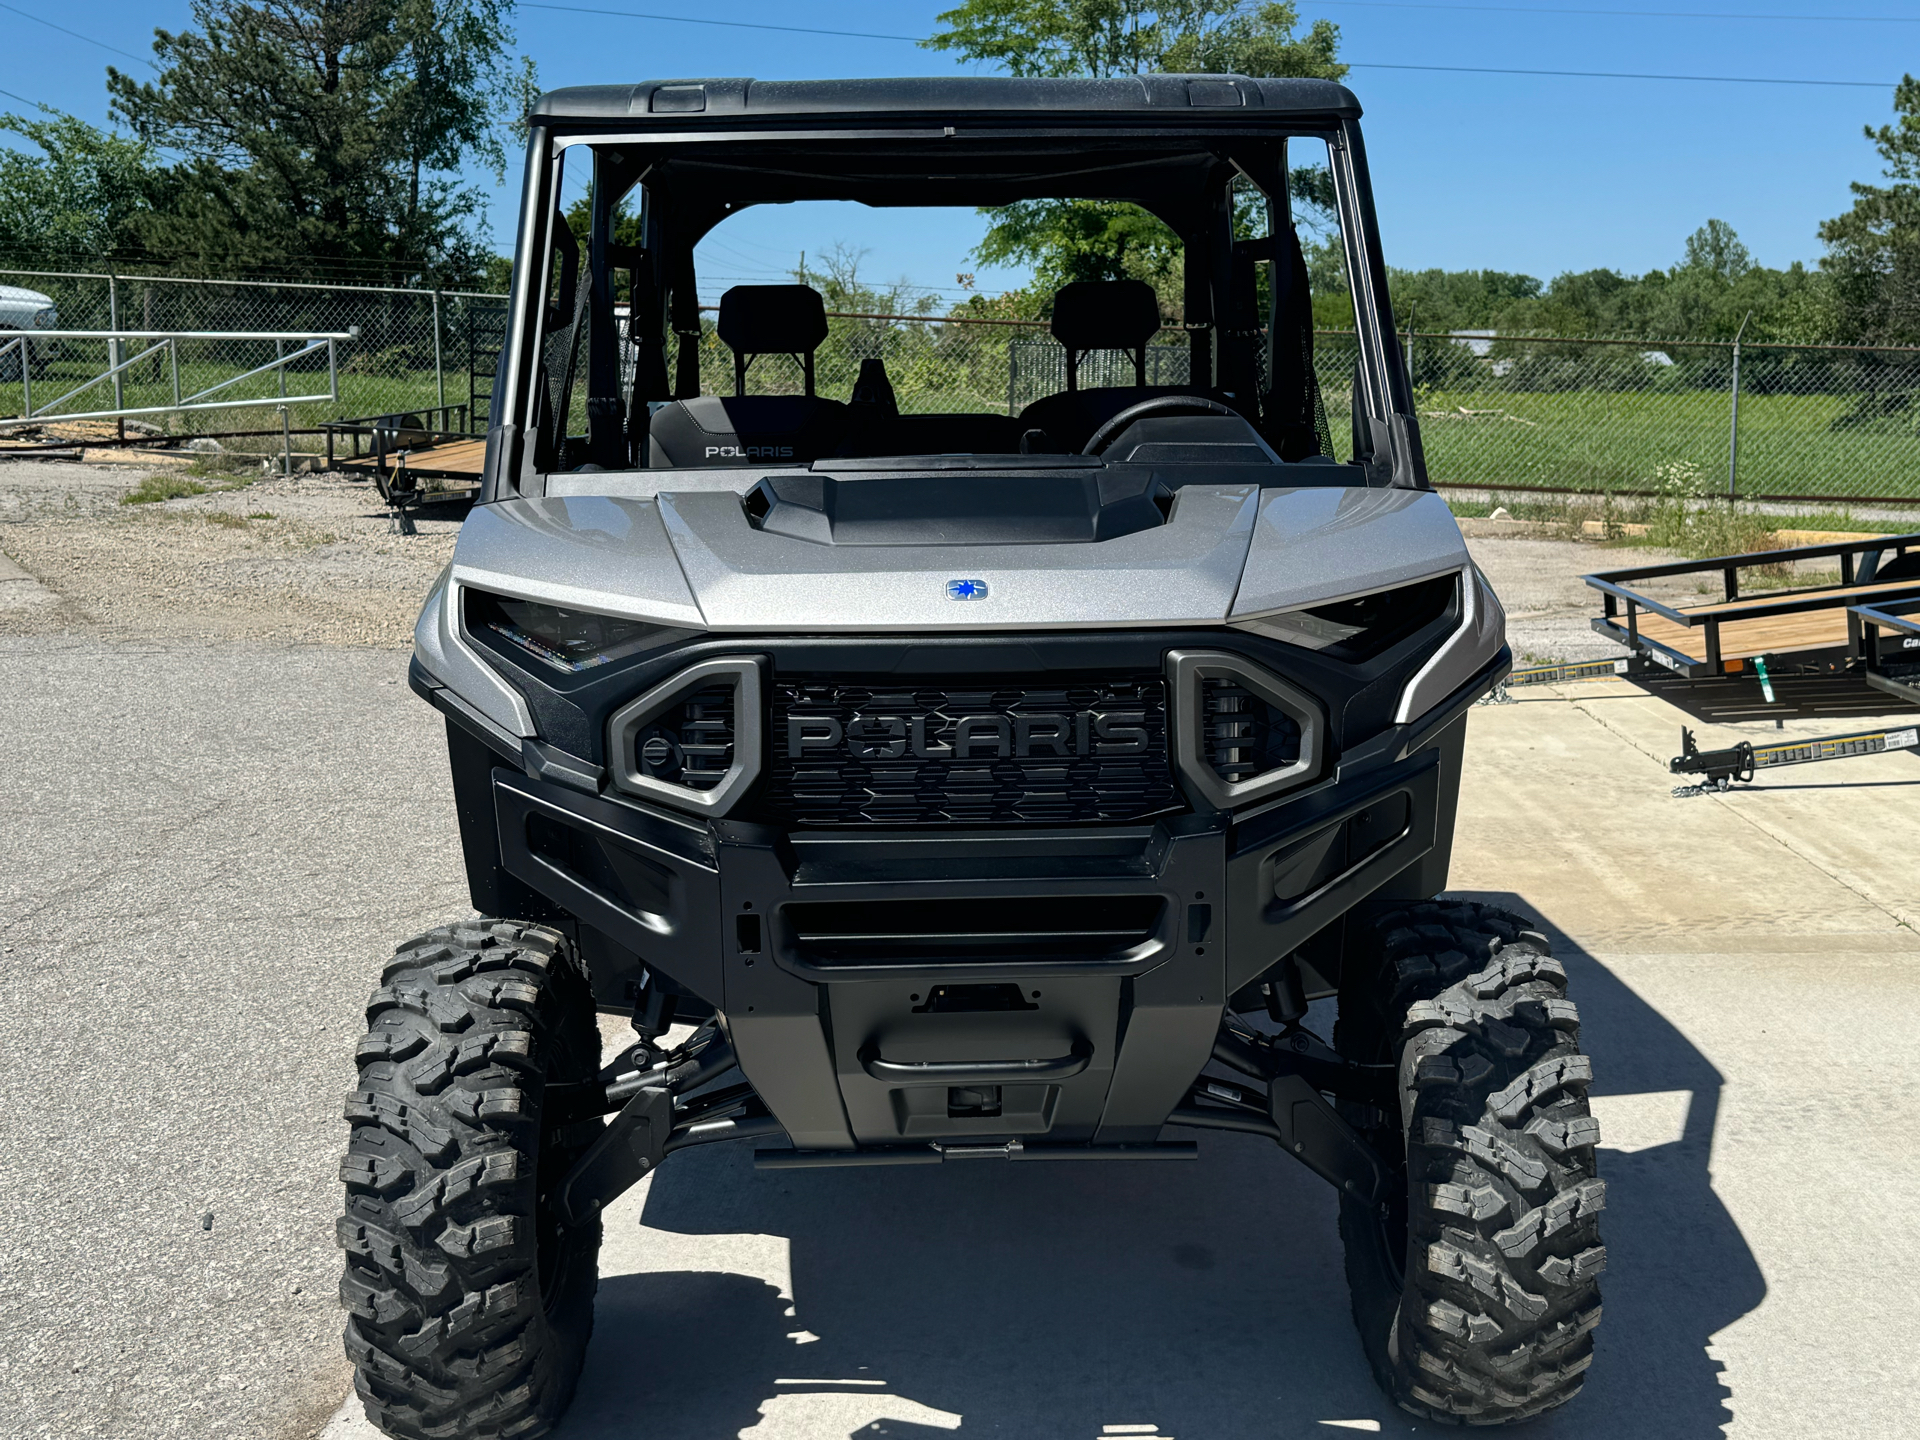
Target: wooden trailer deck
{"x":1725,"y":635}
{"x":458,"y":460}
{"x":397,"y":451}
{"x":1745,"y":635}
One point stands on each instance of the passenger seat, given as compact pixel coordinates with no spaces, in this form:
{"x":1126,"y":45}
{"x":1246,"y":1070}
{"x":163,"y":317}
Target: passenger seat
{"x":742,"y":429}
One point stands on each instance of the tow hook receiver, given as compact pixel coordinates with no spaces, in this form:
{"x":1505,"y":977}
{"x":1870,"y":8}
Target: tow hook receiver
{"x":627,"y":1150}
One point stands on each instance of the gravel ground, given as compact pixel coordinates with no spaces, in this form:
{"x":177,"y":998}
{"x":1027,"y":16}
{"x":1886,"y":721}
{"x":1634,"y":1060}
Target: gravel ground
{"x":306,"y":560}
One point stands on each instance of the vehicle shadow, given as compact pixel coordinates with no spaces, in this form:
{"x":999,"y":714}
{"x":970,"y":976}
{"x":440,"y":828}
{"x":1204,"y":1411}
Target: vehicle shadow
{"x":1200,"y":1298}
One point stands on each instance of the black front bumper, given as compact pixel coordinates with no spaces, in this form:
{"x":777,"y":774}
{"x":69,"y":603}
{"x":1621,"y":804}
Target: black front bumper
{"x":911,"y":986}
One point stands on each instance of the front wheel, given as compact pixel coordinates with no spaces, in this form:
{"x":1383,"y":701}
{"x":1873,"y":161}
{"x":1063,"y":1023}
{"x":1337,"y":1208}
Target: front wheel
{"x":469,"y":1306}
{"x":1474,"y":1288}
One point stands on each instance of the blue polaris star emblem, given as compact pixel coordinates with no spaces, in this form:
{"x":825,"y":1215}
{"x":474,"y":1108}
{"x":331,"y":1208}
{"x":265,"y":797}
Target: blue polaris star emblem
{"x":967,"y":590}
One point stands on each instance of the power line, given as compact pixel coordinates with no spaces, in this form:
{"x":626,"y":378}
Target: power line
{"x":36,"y":104}
{"x":1646,"y":14}
{"x":29,"y":15}
{"x":1619,"y":75}
{"x":1357,"y":64}
{"x":729,"y":24}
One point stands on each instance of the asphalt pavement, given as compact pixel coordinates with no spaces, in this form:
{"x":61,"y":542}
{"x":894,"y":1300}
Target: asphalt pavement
{"x":209,"y":848}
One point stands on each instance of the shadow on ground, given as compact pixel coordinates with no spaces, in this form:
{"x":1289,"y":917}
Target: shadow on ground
{"x":1205,"y":1298}
{"x":1738,"y":699}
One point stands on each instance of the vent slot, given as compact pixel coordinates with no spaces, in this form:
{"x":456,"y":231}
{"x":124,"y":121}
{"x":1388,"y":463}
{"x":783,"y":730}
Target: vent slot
{"x":1244,"y":735}
{"x":1011,"y":931}
{"x":692,"y":743}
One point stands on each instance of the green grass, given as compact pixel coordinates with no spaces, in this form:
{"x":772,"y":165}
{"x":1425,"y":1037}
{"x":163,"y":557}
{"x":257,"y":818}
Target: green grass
{"x":1598,"y":441}
{"x":162,"y":486}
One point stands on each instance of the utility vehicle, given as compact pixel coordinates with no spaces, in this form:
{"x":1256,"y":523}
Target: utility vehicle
{"x":979,"y":787}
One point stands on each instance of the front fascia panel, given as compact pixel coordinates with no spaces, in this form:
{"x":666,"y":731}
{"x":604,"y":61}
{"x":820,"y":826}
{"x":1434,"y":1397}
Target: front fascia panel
{"x":1314,"y":546}
{"x":1358,"y":698}
{"x":1480,"y":637}
{"x":604,"y":554}
{"x":443,"y":652}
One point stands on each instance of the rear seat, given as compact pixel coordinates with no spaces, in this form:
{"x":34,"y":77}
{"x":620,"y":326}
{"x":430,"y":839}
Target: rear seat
{"x":744,"y":429}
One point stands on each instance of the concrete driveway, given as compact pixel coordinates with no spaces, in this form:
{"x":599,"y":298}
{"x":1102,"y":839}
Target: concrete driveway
{"x":210,"y":847}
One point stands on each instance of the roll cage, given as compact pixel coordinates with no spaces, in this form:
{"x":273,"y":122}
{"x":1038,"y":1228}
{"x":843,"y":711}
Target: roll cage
{"x":701,"y":151}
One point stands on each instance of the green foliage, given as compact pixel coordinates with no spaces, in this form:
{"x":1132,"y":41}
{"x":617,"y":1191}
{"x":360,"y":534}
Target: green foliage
{"x":1873,"y":257}
{"x":1068,"y":240}
{"x":86,"y":193}
{"x":330,"y":135}
{"x":1135,"y":37}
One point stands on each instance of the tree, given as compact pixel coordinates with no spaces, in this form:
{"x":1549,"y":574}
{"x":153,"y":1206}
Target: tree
{"x":1715,"y":250}
{"x":328,"y":132}
{"x":1873,"y":257}
{"x":86,"y":194}
{"x":1066,"y":240}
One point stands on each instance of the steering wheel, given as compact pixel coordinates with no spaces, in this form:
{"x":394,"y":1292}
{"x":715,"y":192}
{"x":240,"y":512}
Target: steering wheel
{"x":1104,"y":437}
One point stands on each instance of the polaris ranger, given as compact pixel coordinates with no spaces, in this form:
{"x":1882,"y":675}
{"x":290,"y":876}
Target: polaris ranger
{"x":935,"y":786}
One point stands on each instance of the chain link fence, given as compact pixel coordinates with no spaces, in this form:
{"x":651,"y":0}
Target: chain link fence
{"x":1497,"y":412}
{"x":415,"y":349}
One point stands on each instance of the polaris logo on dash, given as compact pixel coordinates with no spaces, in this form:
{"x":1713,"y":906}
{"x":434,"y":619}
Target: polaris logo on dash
{"x":967,"y":590}
{"x":751,"y":452}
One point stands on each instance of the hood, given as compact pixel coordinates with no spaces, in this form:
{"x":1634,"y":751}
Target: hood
{"x":696,"y":558}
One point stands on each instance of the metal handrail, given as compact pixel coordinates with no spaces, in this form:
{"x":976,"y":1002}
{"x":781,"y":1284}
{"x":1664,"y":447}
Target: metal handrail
{"x":169,"y":340}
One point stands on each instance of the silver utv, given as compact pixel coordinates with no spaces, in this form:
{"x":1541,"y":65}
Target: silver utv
{"x":972,"y":785}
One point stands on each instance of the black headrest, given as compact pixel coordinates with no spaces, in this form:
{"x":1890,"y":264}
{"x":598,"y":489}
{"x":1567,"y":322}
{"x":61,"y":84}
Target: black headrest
{"x":772,"y":319}
{"x":1104,"y":314}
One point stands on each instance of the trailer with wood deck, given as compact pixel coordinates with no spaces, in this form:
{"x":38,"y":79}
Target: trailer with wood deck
{"x":1815,"y":626}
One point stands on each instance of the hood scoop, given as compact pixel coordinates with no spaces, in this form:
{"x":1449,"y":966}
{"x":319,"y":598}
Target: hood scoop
{"x":1047,"y":507}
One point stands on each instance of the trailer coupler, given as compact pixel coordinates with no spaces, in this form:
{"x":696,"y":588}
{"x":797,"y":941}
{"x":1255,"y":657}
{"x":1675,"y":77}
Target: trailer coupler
{"x":1720,"y":769}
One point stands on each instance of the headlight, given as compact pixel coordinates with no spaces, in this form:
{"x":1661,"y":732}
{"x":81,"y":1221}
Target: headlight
{"x":566,"y":640}
{"x":1363,"y":626}
{"x":46,"y":318}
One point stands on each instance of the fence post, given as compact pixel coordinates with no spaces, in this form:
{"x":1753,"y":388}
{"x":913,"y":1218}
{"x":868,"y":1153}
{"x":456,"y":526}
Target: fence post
{"x":113,"y":351}
{"x":440,"y":374}
{"x":1734,"y":404}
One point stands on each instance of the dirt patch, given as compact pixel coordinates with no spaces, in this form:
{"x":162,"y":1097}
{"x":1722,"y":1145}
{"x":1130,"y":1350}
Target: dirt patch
{"x":308,"y":559}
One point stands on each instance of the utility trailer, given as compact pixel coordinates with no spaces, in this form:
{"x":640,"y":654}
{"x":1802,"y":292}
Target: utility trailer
{"x":1890,"y":664}
{"x":1776,"y":628}
{"x":403,"y":449}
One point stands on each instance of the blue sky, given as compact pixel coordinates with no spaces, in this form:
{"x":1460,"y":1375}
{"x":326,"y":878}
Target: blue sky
{"x":1538,"y":174}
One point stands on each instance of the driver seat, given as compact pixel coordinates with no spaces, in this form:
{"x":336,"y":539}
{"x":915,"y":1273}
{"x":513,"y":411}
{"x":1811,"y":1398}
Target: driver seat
{"x":1099,"y":315}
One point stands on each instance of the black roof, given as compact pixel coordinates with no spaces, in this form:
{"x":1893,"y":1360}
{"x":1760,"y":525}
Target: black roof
{"x":1160,"y":100}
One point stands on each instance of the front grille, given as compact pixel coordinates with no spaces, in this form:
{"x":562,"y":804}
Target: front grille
{"x":692,"y":743}
{"x":988,"y":752}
